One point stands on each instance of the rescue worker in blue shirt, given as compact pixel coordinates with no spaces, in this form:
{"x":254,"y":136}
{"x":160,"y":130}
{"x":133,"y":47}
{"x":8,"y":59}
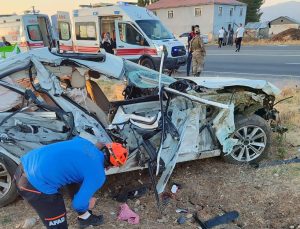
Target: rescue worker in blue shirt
{"x":44,"y":171}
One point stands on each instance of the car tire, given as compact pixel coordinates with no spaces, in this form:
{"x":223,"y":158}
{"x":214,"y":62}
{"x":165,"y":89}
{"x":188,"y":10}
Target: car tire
{"x":8,"y":189}
{"x":254,"y":135}
{"x":146,"y":62}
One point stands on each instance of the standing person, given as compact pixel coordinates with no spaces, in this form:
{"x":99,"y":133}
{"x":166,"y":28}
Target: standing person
{"x":230,"y":36}
{"x":221,"y":37}
{"x":189,"y":59}
{"x":44,"y":171}
{"x":239,"y":37}
{"x":198,"y":52}
{"x":107,"y":43}
{"x":225,"y":38}
{"x":5,"y":42}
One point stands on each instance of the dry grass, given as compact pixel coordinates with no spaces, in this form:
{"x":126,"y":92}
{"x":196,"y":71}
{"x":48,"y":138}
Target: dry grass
{"x":290,"y":109}
{"x":113,"y":89}
{"x":269,"y":42}
{"x":286,"y":145}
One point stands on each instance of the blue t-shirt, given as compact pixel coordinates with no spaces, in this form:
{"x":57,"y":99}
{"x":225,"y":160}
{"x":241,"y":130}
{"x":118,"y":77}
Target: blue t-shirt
{"x":75,"y":161}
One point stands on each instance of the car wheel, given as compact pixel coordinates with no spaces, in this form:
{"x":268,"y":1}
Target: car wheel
{"x":8,"y":190}
{"x":254,"y":136}
{"x":146,"y":62}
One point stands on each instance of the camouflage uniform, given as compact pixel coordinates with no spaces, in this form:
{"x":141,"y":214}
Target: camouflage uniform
{"x":198,"y":51}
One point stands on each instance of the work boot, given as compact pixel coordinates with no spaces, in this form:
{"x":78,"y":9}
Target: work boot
{"x":93,"y":220}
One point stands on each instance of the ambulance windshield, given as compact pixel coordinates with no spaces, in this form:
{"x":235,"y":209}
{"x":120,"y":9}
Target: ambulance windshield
{"x":154,"y":29}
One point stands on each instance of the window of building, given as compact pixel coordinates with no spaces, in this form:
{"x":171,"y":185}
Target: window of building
{"x":85,"y":31}
{"x":231,"y":12}
{"x":155,"y":13}
{"x":241,"y":12}
{"x":64,"y":31}
{"x":198,"y":12}
{"x":220,"y":11}
{"x":34,"y":32}
{"x":128,"y":34}
{"x":170,"y":14}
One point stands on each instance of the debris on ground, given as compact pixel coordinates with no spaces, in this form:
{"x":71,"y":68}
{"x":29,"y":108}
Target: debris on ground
{"x":289,"y":34}
{"x":181,"y":220}
{"x":181,"y":210}
{"x":135,"y":193}
{"x":226,"y":218}
{"x":278,"y":162}
{"x":29,"y":222}
{"x":126,"y":214}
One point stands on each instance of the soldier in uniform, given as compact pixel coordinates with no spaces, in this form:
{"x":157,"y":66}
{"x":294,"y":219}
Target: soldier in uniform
{"x":198,"y":51}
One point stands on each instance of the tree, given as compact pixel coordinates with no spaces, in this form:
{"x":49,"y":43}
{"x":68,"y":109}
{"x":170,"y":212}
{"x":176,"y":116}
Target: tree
{"x":145,"y":2}
{"x":253,"y":10}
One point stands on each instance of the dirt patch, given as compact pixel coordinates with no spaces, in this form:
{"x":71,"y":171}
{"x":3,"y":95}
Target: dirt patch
{"x":265,"y":198}
{"x":287,"y":35}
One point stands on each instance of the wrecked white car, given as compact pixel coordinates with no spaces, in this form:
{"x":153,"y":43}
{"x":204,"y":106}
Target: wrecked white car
{"x":47,"y":97}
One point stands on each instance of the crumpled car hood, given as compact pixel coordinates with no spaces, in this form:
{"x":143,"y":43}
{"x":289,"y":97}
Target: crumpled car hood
{"x":222,"y":82}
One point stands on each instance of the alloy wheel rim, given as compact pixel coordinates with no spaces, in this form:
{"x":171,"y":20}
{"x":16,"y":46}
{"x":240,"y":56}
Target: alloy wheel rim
{"x":5,"y":180}
{"x":252,"y":141}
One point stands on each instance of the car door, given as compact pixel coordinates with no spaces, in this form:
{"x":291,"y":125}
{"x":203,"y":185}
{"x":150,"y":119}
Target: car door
{"x":63,"y":31}
{"x":130,"y":43}
{"x":87,"y":34}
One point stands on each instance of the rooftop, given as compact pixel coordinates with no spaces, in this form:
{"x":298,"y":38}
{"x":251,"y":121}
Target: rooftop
{"x":181,"y":3}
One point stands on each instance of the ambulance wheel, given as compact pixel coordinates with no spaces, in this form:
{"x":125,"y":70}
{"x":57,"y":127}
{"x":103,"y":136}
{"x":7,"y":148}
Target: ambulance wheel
{"x":146,"y":62}
{"x":8,"y":189}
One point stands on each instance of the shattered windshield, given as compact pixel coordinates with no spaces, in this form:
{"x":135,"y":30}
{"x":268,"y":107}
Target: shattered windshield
{"x":142,"y":77}
{"x":154,"y":29}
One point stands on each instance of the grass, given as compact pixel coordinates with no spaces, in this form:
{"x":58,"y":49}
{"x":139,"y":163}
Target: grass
{"x":281,"y":146}
{"x":286,"y":145}
{"x":261,"y":42}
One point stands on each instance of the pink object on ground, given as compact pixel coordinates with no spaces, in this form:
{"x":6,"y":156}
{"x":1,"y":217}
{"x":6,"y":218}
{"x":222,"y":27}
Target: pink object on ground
{"x":126,"y":214}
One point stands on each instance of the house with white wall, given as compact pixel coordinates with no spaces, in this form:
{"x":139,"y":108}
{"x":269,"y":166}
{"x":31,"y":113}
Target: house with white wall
{"x":210,"y":15}
{"x":281,"y":24}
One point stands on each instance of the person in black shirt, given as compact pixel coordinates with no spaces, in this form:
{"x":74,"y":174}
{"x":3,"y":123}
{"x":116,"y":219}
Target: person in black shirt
{"x":108,"y":44}
{"x":5,"y":42}
{"x":189,"y":59}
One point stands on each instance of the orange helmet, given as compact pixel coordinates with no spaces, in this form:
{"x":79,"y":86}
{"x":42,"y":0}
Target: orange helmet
{"x":118,"y":154}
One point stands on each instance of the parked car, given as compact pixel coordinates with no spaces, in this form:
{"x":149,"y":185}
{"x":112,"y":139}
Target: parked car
{"x":48,"y":97}
{"x":184,"y":38}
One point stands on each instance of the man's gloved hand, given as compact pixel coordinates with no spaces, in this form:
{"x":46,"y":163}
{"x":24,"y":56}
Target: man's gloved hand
{"x":89,"y":219}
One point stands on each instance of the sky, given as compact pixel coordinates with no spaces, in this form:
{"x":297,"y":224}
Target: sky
{"x":51,"y":6}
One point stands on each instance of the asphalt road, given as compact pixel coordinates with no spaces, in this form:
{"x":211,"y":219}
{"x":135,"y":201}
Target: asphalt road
{"x":277,"y":64}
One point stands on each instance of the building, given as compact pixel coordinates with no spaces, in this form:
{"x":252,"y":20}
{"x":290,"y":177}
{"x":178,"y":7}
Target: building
{"x":210,"y":15}
{"x":281,"y":24}
{"x":257,"y":29}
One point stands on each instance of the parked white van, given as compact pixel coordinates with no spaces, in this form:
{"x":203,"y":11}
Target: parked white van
{"x":137,"y":32}
{"x":28,"y":31}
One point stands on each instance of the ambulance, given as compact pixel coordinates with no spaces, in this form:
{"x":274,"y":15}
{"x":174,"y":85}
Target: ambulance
{"x":138,"y":34}
{"x":28,"y":31}
{"x":62,"y":27}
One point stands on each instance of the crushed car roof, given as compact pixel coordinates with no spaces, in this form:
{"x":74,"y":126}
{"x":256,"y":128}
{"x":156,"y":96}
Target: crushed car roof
{"x":113,"y":66}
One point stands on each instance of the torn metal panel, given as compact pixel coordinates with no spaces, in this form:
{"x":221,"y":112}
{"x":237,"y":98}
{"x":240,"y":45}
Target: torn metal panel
{"x":222,"y":82}
{"x":9,"y":99}
{"x":224,"y":126}
{"x":83,"y":121}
